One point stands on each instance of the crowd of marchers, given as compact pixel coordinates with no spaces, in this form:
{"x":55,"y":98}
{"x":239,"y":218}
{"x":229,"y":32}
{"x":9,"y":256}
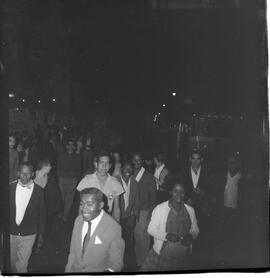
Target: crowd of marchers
{"x":131,"y":217}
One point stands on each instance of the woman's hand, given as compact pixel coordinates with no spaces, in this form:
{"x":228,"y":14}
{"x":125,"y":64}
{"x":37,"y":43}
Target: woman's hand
{"x":173,"y":237}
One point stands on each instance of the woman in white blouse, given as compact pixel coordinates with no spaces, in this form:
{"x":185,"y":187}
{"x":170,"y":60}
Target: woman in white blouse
{"x":173,"y":226}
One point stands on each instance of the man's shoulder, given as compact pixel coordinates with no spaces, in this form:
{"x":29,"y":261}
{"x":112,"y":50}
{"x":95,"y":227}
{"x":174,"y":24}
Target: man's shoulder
{"x":112,"y":224}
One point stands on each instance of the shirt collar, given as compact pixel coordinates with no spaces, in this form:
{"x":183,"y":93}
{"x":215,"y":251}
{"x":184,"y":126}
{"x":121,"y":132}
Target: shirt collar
{"x":29,"y":185}
{"x":96,"y":220}
{"x":198,"y":171}
{"x":124,"y":183}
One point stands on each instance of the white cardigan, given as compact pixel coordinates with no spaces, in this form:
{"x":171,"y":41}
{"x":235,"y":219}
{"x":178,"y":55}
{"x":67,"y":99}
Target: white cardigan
{"x":157,"y":225}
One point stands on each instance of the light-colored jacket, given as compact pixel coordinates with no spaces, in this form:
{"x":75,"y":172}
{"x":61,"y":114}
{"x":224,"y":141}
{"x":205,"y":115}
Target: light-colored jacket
{"x":157,"y":225}
{"x":104,"y":251}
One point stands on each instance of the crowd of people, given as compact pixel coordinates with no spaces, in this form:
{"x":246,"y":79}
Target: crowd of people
{"x":131,"y":216}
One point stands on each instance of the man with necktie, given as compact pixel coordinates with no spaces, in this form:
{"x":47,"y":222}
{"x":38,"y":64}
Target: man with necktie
{"x":96,"y":243}
{"x":27,"y":218}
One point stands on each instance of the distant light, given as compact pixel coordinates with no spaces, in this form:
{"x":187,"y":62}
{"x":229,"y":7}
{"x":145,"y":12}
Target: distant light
{"x":174,"y":94}
{"x":39,"y":101}
{"x":97,"y":101}
{"x":164,"y":105}
{"x":11,"y":95}
{"x":17,"y":108}
{"x":194,"y":115}
{"x":23,"y":100}
{"x":159,"y":113}
{"x":241,"y":118}
{"x":54,"y":100}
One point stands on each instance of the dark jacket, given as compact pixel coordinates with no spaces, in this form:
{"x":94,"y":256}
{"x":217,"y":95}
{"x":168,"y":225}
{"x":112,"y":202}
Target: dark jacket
{"x":34,"y":217}
{"x":204,"y":184}
{"x":133,"y":203}
{"x":147,"y":191}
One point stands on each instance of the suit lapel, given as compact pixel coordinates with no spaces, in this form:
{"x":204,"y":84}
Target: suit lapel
{"x":101,"y":227}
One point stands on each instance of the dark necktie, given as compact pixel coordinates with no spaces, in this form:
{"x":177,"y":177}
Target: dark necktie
{"x":86,"y":238}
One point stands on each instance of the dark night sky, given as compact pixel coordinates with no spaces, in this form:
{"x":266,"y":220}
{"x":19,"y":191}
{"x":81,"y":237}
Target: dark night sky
{"x":135,"y":55}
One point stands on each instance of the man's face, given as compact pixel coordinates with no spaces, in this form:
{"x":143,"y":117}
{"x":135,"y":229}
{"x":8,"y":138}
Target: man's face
{"x":137,"y":161}
{"x":127,"y":171}
{"x":12,"y":142}
{"x":25,"y":174}
{"x":196,"y":160}
{"x":90,"y":207}
{"x":103,"y":165}
{"x":178,"y":193}
{"x":70,"y":147}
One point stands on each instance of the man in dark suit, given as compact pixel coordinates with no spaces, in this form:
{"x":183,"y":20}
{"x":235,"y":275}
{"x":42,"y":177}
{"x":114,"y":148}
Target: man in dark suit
{"x":27,"y":218}
{"x":197,"y":180}
{"x":147,"y":202}
{"x":129,"y":207}
{"x":96,"y":243}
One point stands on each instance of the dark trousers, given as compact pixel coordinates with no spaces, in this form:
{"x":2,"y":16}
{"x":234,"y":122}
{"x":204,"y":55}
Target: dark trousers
{"x":128,"y":225}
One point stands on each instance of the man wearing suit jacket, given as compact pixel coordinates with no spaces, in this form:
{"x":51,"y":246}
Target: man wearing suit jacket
{"x":161,"y":173}
{"x":129,"y":206}
{"x":96,"y":243}
{"x":197,"y":180}
{"x":27,"y":218}
{"x":147,"y":202}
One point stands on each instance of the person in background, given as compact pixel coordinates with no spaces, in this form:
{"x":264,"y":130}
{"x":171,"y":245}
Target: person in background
{"x":160,"y":175}
{"x":13,"y":159}
{"x":173,"y":226}
{"x":147,"y":201}
{"x":79,"y":146}
{"x":69,"y":170}
{"x":197,"y":179}
{"x":102,"y":180}
{"x":21,"y":151}
{"x":27,"y":218}
{"x":129,"y":206}
{"x":231,"y":190}
{"x":88,"y":157}
{"x":117,"y":164}
{"x":46,"y":179}
{"x":96,"y":242}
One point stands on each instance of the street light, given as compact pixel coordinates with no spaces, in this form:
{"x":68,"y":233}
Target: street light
{"x":11,"y":95}
{"x":174,"y":94}
{"x":159,"y":113}
{"x":164,"y":105}
{"x":54,"y":100}
{"x":39,"y":101}
{"x":23,"y":100}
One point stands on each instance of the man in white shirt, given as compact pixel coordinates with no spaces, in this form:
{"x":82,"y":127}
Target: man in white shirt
{"x":96,"y":243}
{"x":102,"y":180}
{"x":232,"y":183}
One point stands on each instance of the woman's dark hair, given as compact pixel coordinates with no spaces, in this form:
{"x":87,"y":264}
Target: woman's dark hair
{"x":172,"y":181}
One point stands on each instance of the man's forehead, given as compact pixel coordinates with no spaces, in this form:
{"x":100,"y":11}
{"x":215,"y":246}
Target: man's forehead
{"x":104,"y":159}
{"x":89,"y":197}
{"x":26,"y":169}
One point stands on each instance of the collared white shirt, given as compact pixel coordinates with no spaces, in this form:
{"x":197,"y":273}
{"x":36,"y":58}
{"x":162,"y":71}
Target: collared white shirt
{"x":231,"y":190}
{"x":140,"y":174}
{"x":127,"y":191}
{"x":22,"y":198}
{"x":195,"y":178}
{"x":94,"y":224}
{"x":157,"y":173}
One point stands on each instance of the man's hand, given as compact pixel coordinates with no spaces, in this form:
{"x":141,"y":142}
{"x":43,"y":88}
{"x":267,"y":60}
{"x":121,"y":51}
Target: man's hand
{"x":187,"y":240}
{"x":173,"y":237}
{"x":40,"y":241}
